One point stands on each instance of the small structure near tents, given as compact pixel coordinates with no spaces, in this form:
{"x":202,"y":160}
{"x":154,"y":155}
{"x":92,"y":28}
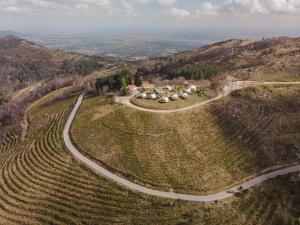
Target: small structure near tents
{"x":158,"y":92}
{"x":148,"y":86}
{"x":133,"y":90}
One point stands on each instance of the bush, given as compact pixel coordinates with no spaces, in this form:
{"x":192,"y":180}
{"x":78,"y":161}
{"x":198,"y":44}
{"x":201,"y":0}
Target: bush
{"x":242,"y":92}
{"x":3,"y":99}
{"x":137,"y":80}
{"x":201,"y":92}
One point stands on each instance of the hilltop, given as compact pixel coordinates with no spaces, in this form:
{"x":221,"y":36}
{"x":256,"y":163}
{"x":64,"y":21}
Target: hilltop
{"x":267,"y":59}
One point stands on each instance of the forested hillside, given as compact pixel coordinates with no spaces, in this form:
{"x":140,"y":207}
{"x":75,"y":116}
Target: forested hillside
{"x":29,"y":71}
{"x":23,"y":62}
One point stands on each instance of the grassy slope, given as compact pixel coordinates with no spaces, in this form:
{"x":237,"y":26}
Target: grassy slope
{"x":40,"y":183}
{"x":270,"y":117}
{"x":200,"y":151}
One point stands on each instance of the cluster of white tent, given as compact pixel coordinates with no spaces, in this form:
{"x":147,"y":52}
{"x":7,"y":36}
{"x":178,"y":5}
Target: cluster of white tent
{"x":173,"y":97}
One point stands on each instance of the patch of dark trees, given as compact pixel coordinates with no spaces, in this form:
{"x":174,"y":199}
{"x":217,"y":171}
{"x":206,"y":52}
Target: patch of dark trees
{"x":118,"y":82}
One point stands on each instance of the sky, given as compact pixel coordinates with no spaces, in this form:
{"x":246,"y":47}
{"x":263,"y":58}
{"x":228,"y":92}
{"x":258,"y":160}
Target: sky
{"x":230,"y":18}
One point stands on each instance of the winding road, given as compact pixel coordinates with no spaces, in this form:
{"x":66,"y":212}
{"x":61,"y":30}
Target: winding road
{"x":170,"y":195}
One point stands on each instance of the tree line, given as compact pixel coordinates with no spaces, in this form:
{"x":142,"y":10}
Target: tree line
{"x":118,"y":82}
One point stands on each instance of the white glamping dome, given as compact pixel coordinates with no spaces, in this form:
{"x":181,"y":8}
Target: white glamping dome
{"x":174,"y":97}
{"x":188,"y":91}
{"x":193,"y":87}
{"x":164,"y":100}
{"x":184,"y":95}
{"x":152,"y":96}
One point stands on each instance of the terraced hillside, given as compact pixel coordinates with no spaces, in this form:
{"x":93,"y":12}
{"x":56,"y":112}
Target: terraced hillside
{"x":199,"y":151}
{"x":269,"y":117}
{"x":40,"y":183}
{"x":10,"y":141}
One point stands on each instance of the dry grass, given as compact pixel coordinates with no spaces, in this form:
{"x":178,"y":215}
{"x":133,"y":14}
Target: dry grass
{"x":199,"y":151}
{"x":40,"y":183}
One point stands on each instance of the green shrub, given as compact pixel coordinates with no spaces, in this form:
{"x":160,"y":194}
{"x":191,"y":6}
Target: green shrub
{"x":3,"y":99}
{"x":242,"y":92}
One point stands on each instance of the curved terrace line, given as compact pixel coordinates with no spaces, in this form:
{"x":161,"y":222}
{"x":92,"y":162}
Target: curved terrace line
{"x":171,"y":195}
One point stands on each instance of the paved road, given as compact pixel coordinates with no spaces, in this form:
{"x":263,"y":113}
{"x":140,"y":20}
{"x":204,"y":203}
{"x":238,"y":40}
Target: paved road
{"x":170,"y":195}
{"x":231,"y":86}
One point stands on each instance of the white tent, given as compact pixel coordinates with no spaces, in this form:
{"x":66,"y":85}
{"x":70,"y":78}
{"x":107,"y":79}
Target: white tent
{"x":152,"y":96}
{"x":164,"y":100}
{"x":184,"y":95}
{"x":188,"y":91}
{"x":168,"y":87}
{"x":193,"y":87}
{"x":174,"y":97}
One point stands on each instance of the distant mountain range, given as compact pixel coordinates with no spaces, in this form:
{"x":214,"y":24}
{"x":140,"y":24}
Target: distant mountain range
{"x":122,"y":46}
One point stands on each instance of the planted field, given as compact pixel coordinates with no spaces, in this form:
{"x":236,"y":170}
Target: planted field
{"x":40,"y":183}
{"x":270,"y":117}
{"x":10,"y":140}
{"x":200,"y":151}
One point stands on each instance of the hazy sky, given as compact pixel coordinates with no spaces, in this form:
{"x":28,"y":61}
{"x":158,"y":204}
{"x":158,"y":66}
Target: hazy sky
{"x":230,"y":17}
